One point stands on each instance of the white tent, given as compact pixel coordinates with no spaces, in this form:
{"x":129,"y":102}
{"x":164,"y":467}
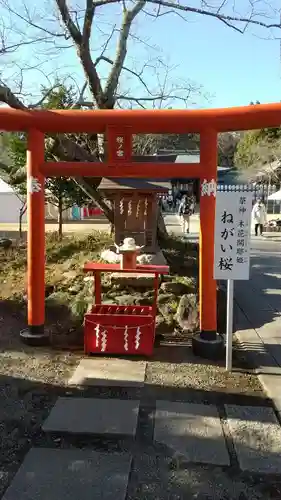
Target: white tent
{"x":10,"y":204}
{"x":275,"y":196}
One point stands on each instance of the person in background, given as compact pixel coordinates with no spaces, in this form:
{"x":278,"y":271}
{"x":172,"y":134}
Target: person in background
{"x":161,"y":204}
{"x":170,"y":201}
{"x":259,"y":216}
{"x":186,"y":209}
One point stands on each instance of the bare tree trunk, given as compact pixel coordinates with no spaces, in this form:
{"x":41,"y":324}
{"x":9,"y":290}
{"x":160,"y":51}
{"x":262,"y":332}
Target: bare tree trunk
{"x":96,"y":196}
{"x":21,"y":214}
{"x":162,"y":233}
{"x":60,"y":217}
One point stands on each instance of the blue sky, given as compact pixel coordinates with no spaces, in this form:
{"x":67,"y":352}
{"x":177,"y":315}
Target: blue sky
{"x":232,"y":68}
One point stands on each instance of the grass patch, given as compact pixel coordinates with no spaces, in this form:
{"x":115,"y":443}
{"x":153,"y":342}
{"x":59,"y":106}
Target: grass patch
{"x":70,"y":254}
{"x":68,"y":296}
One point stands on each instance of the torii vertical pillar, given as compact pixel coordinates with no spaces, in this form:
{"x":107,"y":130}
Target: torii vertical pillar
{"x":34,"y":334}
{"x":208,"y":343}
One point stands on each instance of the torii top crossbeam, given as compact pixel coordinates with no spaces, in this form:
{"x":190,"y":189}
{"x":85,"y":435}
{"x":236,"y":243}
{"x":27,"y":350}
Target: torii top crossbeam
{"x":143,"y":121}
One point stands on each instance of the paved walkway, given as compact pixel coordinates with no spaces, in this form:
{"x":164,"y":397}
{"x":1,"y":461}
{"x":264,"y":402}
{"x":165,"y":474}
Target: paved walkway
{"x":100,"y":224}
{"x":173,"y":225}
{"x":259,"y":316}
{"x":100,"y":446}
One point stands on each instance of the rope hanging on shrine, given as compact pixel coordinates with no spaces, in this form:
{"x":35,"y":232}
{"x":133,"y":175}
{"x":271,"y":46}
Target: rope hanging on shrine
{"x":102,"y":334}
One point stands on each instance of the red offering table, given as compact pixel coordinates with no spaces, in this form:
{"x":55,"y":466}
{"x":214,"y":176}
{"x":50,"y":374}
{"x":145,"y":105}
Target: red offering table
{"x":117,"y":329}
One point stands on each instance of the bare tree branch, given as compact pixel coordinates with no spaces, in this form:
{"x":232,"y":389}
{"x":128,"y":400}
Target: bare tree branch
{"x":88,"y":20}
{"x":83,"y":47}
{"x":69,"y":24}
{"x":7,"y":96}
{"x":125,"y":68}
{"x":44,"y":97}
{"x":81,"y":94}
{"x":5,"y":49}
{"x":121,"y":52}
{"x":229,"y":20}
{"x":28,"y":20}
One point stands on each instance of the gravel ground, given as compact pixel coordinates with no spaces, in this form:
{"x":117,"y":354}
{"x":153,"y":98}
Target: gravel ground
{"x":32,"y":379}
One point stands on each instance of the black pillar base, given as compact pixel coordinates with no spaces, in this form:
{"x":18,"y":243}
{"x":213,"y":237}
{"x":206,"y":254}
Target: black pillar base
{"x":208,"y":345}
{"x":34,"y":336}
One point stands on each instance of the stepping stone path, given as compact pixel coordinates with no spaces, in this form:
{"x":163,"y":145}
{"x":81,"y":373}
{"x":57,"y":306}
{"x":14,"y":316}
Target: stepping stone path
{"x":109,"y":372}
{"x":93,"y":416}
{"x":48,"y":474}
{"x":191,"y":431}
{"x":257,"y":438}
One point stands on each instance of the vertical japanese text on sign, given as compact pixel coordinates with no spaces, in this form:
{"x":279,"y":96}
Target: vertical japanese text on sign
{"x":232,"y":235}
{"x":119,"y":146}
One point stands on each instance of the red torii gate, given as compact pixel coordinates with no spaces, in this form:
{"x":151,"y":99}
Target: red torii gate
{"x":123,"y":124}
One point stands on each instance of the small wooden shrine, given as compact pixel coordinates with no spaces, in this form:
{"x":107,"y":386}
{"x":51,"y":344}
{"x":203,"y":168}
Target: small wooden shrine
{"x":135,"y":204}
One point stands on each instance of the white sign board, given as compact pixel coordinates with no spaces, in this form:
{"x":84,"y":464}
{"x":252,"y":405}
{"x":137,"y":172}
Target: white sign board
{"x":232,"y":235}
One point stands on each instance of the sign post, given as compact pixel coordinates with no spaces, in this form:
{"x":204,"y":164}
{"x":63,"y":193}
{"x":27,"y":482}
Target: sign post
{"x":229,"y":325}
{"x":232,"y":249}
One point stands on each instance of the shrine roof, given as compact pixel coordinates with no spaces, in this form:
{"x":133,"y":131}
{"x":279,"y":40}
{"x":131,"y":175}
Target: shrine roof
{"x":135,"y":184}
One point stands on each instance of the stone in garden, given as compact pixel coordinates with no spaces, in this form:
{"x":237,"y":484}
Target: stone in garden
{"x":73,"y":290}
{"x":5,"y":243}
{"x":109,"y":301}
{"x":49,"y":289}
{"x":167,"y":277}
{"x":69,"y":276}
{"x":164,"y":298}
{"x":168,"y":310}
{"x":153,"y":259}
{"x":134,"y":280}
{"x":110,"y":256}
{"x":144,"y":301}
{"x":177,"y":288}
{"x":60,"y":297}
{"x":160,"y":324}
{"x":165,"y":324}
{"x":157,"y":259}
{"x":187,"y":315}
{"x":125,"y":300}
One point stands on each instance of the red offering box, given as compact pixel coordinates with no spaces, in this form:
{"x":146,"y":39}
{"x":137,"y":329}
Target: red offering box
{"x":113,"y":329}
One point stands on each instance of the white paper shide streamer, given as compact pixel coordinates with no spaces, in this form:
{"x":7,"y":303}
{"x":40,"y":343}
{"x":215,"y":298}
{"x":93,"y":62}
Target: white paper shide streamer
{"x":121,"y":206}
{"x":138,"y":209}
{"x":137,"y":338}
{"x":130,"y":207}
{"x":145,"y":206}
{"x":97,"y":330}
{"x":103,"y":340}
{"x":126,"y":339}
